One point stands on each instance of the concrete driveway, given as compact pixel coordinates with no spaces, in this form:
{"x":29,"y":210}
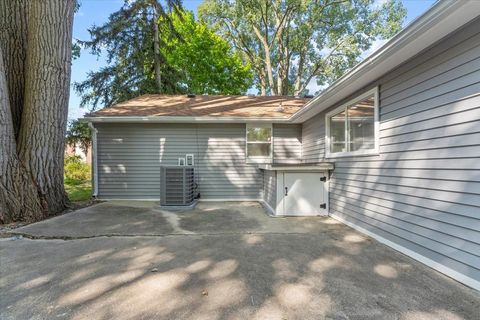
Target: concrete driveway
{"x":127,"y":260}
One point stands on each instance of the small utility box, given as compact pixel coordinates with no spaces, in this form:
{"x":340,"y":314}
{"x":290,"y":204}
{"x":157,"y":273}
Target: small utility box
{"x":301,"y":193}
{"x":300,"y":190}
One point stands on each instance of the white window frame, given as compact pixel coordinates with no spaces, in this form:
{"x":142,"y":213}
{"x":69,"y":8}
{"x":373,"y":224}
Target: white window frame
{"x":259,"y":159}
{"x":375,"y":150}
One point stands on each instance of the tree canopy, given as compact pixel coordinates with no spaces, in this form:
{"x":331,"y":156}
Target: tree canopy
{"x":134,"y":66}
{"x":78,"y":134}
{"x":289,"y":43}
{"x":204,"y":60}
{"x":159,"y":49}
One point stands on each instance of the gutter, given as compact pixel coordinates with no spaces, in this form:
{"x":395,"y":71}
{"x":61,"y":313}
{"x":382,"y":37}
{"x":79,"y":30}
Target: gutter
{"x":94,"y":160}
{"x":177,"y":119}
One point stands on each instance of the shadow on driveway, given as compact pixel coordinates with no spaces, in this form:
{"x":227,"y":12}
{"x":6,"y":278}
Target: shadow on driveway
{"x":247,"y":267}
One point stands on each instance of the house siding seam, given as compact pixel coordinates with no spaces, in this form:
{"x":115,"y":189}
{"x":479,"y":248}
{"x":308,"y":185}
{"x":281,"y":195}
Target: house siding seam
{"x":130,"y":155}
{"x":423,"y":191}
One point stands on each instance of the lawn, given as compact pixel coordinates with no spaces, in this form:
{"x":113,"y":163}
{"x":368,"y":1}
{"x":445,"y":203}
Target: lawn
{"x":78,"y":190}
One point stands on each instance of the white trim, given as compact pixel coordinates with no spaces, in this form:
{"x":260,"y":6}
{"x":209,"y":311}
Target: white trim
{"x":319,"y":167}
{"x":230,"y":200}
{"x":375,"y":150}
{"x":258,"y":159}
{"x":199,"y":200}
{"x":128,"y":199}
{"x":94,"y":160}
{"x":470,"y":282}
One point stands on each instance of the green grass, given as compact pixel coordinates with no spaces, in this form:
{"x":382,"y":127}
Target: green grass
{"x":78,"y":190}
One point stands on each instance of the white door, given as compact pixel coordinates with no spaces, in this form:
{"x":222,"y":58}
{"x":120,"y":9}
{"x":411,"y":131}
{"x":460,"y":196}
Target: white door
{"x":304,"y":194}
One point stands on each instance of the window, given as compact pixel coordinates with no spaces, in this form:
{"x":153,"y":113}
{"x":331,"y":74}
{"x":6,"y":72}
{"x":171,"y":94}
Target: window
{"x":352,"y":129}
{"x":259,"y":143}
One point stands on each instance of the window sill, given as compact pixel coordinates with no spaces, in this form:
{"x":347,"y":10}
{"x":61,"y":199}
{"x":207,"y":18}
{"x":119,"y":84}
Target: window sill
{"x":351,"y":154}
{"x":259,"y":161}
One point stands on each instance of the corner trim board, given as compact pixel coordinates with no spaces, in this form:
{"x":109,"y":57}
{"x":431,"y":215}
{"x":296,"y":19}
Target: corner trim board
{"x":94,"y":160}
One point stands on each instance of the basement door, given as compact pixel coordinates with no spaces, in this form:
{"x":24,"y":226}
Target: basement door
{"x":304,"y":194}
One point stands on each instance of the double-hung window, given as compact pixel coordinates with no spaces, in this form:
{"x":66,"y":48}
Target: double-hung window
{"x":353,"y":128}
{"x":259,"y":143}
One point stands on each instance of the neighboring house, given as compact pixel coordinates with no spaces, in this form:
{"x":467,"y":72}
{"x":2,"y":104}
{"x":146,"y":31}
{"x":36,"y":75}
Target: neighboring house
{"x":71,"y":150}
{"x":391,"y":149}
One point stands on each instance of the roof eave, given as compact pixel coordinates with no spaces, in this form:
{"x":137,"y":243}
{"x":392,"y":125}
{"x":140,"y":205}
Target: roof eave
{"x":183,"y":119}
{"x":441,"y":20}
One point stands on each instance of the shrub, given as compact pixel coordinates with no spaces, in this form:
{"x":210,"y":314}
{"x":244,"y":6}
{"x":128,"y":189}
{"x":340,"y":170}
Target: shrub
{"x":76,"y":170}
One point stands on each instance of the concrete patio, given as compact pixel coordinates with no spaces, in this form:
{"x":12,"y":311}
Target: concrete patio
{"x":128,"y":260}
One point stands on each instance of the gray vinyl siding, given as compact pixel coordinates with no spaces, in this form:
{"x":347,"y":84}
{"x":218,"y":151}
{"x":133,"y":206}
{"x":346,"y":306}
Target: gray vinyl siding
{"x":129,"y":157}
{"x":287,"y":143}
{"x":423,"y":191}
{"x":313,"y":139}
{"x":270,"y":188}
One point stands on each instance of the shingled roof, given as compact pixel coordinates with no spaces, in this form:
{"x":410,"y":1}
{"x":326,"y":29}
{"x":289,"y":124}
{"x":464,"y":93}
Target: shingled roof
{"x":153,"y":105}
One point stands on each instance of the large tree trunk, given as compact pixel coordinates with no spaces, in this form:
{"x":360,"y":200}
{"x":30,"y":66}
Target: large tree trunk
{"x":283,"y":69}
{"x":156,"y":48}
{"x":268,"y":61}
{"x":298,"y":78}
{"x":268,"y":67}
{"x":19,"y":199}
{"x":263,"y":82}
{"x":280,"y":80}
{"x":47,"y":85}
{"x":13,"y":42}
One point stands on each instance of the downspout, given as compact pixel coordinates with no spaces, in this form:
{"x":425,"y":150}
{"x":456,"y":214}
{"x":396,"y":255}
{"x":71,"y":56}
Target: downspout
{"x":94,"y":160}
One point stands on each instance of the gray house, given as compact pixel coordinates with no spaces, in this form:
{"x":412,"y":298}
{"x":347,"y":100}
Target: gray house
{"x":391,"y":149}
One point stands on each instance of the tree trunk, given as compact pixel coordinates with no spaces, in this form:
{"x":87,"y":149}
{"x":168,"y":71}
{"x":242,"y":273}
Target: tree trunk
{"x":268,"y":69}
{"x":19,"y":199}
{"x":281,"y":57}
{"x":156,"y":49}
{"x":268,"y":61}
{"x":47,"y":85}
{"x":283,"y":69}
{"x":13,"y":42}
{"x":280,"y":80}
{"x":263,"y":82}
{"x":298,"y":78}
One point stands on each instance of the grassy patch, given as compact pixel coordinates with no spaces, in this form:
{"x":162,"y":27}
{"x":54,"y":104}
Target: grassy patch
{"x":78,"y":190}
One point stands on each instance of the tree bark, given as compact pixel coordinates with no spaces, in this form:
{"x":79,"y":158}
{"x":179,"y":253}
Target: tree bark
{"x":280,"y":26}
{"x":263,"y":83}
{"x":298,"y":78}
{"x":13,"y":42}
{"x":47,"y":85}
{"x":268,"y":61}
{"x":156,"y":48}
{"x":19,"y":199}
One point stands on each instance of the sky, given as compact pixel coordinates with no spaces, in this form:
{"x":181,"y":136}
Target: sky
{"x":96,"y":12}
